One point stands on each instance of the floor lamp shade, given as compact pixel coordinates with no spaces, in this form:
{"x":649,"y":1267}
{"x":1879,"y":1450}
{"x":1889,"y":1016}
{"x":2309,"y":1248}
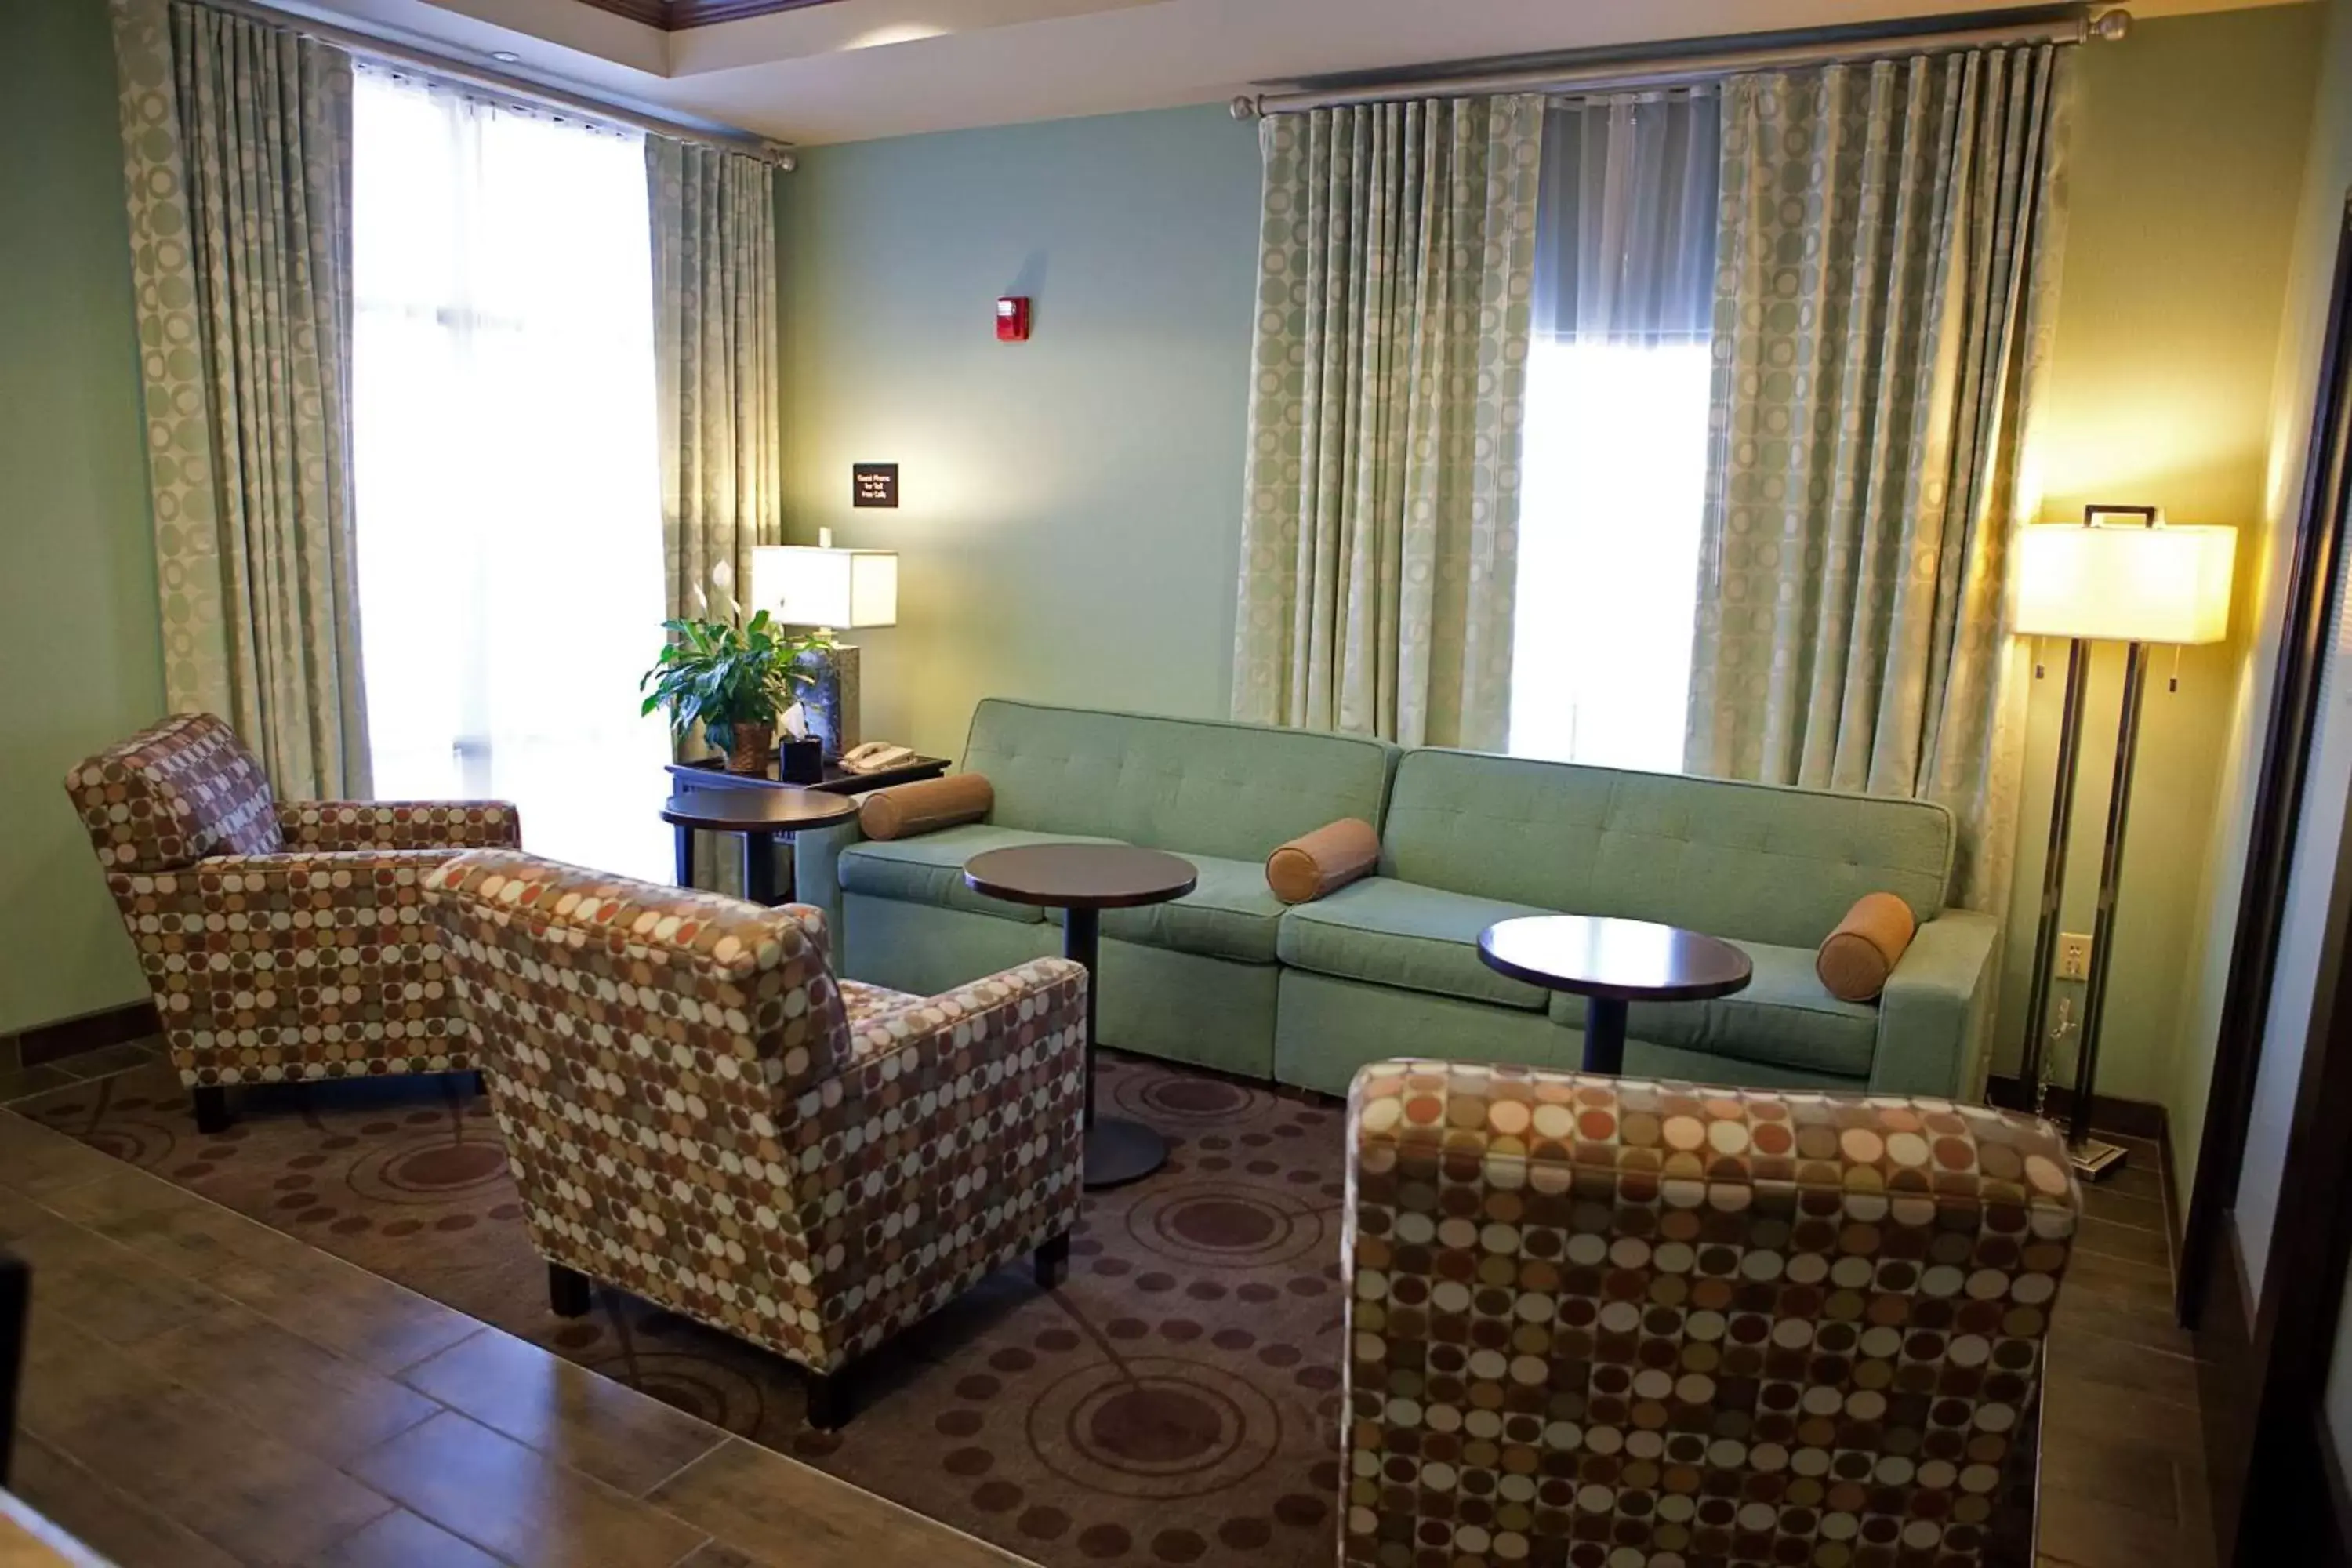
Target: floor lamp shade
{"x":2137,"y":585}
{"x":2122,"y":583}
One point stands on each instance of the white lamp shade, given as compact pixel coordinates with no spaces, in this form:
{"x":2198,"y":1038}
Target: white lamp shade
{"x":804,"y":586}
{"x":2125,"y":583}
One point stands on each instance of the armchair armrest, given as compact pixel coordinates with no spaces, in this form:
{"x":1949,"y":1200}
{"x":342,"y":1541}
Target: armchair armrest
{"x":338,"y":827}
{"x":950,"y":1145}
{"x":240,"y":947}
{"x":1932,"y":1016}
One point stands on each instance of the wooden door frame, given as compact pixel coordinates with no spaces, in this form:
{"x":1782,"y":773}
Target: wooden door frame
{"x":2277,"y":1489}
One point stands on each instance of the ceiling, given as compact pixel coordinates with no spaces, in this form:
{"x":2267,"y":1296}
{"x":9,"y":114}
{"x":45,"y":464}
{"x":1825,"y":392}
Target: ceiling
{"x":847,"y":70}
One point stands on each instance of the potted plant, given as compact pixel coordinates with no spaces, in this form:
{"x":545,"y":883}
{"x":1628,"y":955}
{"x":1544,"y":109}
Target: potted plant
{"x":731,"y":677}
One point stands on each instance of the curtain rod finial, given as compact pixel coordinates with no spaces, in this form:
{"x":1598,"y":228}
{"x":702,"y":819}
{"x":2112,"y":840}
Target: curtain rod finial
{"x":1245,"y":108}
{"x":2112,"y":26}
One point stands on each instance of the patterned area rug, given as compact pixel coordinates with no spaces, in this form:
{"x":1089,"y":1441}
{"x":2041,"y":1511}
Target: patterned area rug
{"x":1177,"y":1401}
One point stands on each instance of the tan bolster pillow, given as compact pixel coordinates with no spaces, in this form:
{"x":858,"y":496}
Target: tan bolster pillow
{"x":903,"y":810}
{"x":1858,"y":956}
{"x":1323,"y":861}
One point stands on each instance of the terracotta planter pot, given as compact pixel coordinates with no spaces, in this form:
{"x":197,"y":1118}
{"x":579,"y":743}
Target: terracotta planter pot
{"x":754,"y":743}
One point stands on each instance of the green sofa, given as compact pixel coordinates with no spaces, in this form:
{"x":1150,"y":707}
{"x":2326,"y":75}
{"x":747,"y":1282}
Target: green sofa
{"x":1230,"y":978}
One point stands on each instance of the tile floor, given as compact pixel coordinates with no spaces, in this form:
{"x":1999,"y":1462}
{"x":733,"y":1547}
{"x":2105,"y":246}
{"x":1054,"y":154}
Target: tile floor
{"x":2123,"y":1453}
{"x":203,"y":1392}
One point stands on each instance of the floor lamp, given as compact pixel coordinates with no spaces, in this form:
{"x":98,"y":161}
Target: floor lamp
{"x":2122,"y":575}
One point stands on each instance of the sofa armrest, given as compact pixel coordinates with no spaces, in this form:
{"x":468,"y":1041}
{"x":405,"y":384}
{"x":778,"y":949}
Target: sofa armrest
{"x":1933,"y":1014}
{"x":1511,"y":1231}
{"x":335,"y":826}
{"x":816,"y":865}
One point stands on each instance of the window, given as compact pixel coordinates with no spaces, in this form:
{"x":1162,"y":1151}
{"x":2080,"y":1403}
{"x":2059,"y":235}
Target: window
{"x":509,"y":510}
{"x":1615,"y":473}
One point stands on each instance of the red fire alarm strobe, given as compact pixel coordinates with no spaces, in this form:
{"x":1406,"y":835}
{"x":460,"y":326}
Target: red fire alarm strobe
{"x":1013,"y":319}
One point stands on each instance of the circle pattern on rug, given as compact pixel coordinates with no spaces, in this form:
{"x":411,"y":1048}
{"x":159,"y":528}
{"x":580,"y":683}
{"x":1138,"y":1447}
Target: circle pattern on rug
{"x":1164,"y":1099}
{"x":1224,"y":1225}
{"x":1154,"y":1427}
{"x":431,"y":1169}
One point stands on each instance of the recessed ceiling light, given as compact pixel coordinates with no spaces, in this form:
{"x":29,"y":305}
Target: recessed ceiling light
{"x":505,"y":57}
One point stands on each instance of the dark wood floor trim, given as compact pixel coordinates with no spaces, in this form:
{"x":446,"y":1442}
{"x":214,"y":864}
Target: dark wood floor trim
{"x":2109,"y":1113}
{"x":45,"y":1043}
{"x":2225,"y":1375}
{"x":2339,"y":1494}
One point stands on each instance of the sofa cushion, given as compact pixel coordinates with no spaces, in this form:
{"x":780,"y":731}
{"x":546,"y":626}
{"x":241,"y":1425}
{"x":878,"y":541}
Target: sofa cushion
{"x":1784,"y":1018}
{"x":1190,"y":785}
{"x":928,"y":868}
{"x":1400,"y":933}
{"x":1749,"y":861}
{"x":1231,"y":913}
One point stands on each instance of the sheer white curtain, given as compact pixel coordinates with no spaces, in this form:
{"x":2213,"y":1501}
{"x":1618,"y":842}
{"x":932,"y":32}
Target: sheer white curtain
{"x":508,"y":507}
{"x":1616,"y":451}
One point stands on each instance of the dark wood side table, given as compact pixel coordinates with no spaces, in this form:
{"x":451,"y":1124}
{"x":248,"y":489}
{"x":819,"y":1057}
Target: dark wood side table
{"x":1082,"y":880}
{"x":837,"y":779}
{"x":760,"y":818}
{"x":1610,"y":962}
{"x":710,"y":778}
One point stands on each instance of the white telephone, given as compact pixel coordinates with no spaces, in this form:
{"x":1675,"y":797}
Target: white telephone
{"x":876,"y":755}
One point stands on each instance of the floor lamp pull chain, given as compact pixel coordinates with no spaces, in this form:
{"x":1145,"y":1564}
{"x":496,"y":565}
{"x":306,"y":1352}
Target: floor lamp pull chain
{"x":2058,"y":1033}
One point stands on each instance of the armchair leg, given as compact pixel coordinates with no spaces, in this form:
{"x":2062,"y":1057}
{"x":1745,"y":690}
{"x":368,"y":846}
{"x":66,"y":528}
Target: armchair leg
{"x":1054,"y":1262}
{"x":568,"y":1292}
{"x":829,"y":1400}
{"x":212,"y":1109}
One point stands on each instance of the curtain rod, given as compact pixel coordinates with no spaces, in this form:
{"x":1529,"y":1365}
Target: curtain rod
{"x":1684,"y":70}
{"x":462,"y":73}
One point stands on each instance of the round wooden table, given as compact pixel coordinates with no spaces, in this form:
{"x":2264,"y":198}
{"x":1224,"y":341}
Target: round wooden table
{"x":761,"y":817}
{"x":1082,"y":880}
{"x":1610,"y":962}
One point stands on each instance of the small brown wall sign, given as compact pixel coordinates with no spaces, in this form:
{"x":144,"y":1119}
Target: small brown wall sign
{"x":874,"y":484}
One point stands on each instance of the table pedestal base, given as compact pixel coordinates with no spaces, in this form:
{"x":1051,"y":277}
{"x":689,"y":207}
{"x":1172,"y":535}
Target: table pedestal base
{"x":1604,"y":1034}
{"x":1118,"y":1151}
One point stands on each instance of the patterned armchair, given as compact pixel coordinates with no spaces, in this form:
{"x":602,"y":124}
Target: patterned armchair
{"x":282,"y":941}
{"x":698,"y":1112}
{"x":1598,"y":1318}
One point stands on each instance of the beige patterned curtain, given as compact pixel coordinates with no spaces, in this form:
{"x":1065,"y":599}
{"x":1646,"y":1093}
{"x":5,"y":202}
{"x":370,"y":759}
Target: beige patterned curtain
{"x":714,"y":225}
{"x":1887,"y":265}
{"x":237,"y":144}
{"x":1395,"y":265}
{"x":717,"y":392}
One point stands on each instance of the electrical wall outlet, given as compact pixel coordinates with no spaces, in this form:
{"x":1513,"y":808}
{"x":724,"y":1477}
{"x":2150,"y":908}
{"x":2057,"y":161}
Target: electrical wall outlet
{"x":2074,"y":956}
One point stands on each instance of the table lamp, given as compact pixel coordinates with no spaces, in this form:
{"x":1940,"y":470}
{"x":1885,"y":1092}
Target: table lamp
{"x":2121,"y":575}
{"x":832,"y":591}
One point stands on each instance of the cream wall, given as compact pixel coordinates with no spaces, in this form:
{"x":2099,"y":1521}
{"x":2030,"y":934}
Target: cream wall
{"x":2187,"y":173}
{"x":80,"y":661}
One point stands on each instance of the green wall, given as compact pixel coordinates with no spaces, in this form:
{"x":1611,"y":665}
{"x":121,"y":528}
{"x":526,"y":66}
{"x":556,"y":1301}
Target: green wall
{"x":2187,"y":167}
{"x":1070,"y":512}
{"x":1072,"y":505}
{"x":80,"y":663}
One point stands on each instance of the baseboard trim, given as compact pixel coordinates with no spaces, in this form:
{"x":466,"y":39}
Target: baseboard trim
{"x":45,"y":1043}
{"x":2339,"y":1494}
{"x":2109,"y":1113}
